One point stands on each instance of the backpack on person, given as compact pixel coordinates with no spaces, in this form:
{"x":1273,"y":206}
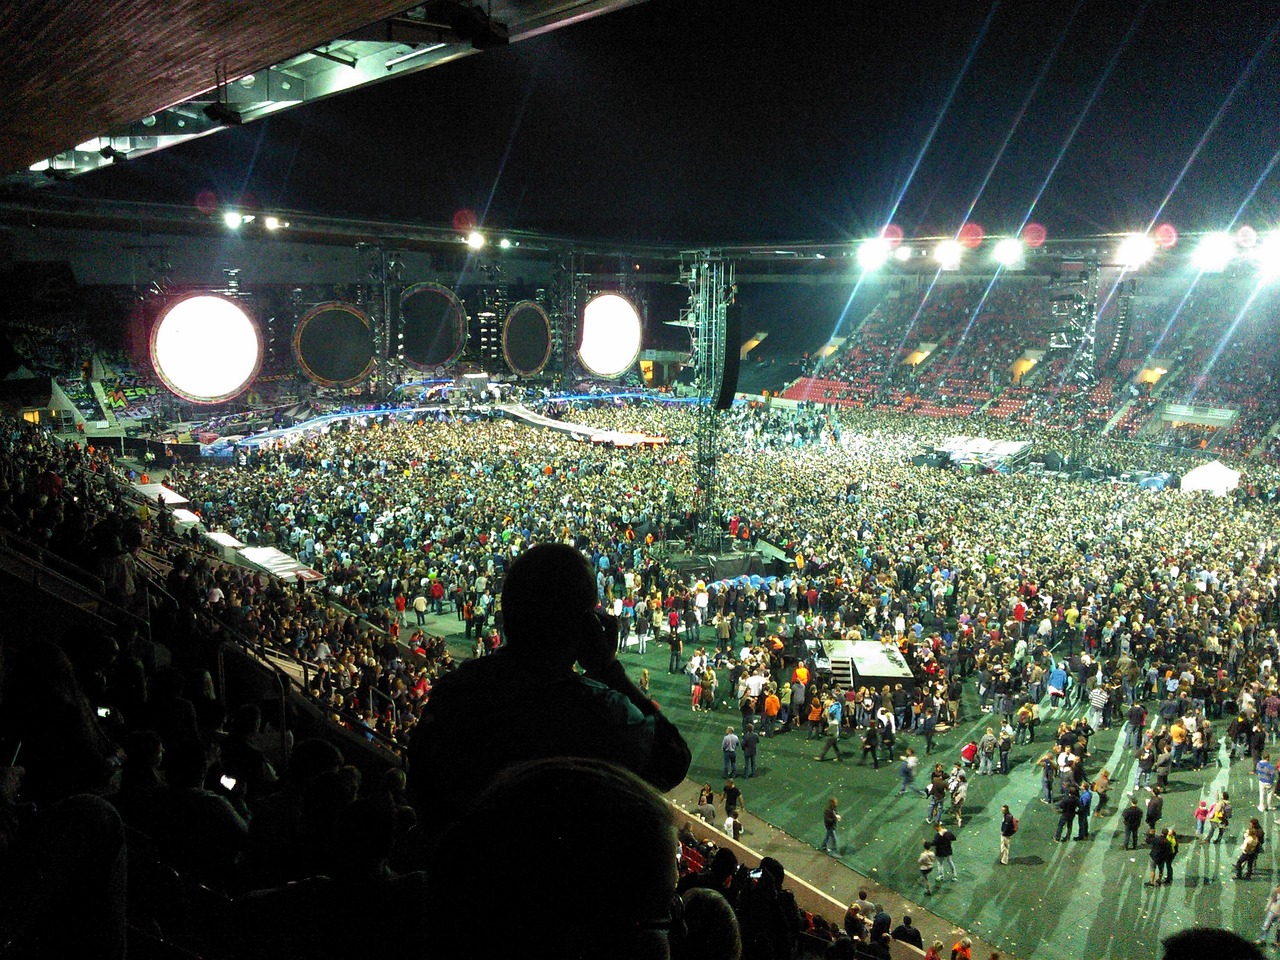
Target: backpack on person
{"x":1015,"y":824}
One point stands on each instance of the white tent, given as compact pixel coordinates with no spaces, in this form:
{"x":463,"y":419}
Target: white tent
{"x":1216,"y":477}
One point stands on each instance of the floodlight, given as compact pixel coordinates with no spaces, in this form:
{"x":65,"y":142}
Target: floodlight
{"x":1008,"y":252}
{"x":948,"y":254}
{"x":232,"y":219}
{"x":271,"y":223}
{"x":902,"y":254}
{"x":206,"y":349}
{"x":475,"y":239}
{"x":505,"y":243}
{"x":1135,"y":250}
{"x":873,"y":253}
{"x":1215,"y":252}
{"x":1267,"y":257}
{"x":610,"y":335}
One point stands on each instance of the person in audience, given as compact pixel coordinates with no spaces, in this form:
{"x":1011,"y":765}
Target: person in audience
{"x":516,"y":844}
{"x":297,"y":919}
{"x":549,"y":601}
{"x":196,"y":830}
{"x":718,"y":874}
{"x":241,"y":758}
{"x":1196,"y":943}
{"x":280,"y":840}
{"x":908,"y":932}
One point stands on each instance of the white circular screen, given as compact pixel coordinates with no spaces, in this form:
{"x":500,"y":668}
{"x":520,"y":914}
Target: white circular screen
{"x":610,"y":335}
{"x":206,"y":348}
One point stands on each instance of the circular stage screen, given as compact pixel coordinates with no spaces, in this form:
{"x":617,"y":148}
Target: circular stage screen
{"x":526,"y":339}
{"x":333,"y":345}
{"x":434,"y":325}
{"x":610,"y":335}
{"x":206,"y":348}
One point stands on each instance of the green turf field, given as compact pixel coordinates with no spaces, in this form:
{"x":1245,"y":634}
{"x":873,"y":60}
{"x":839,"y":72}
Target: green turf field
{"x":1070,"y":901}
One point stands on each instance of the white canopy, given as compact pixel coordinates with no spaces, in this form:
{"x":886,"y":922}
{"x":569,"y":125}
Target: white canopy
{"x":278,"y":564}
{"x":1216,"y":477}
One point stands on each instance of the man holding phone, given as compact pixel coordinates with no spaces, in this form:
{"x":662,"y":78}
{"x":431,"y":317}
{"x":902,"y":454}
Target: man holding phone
{"x":549,"y":601}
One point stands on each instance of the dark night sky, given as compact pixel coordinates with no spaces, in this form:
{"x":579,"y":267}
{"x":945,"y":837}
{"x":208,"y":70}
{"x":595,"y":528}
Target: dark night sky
{"x":719,"y":121}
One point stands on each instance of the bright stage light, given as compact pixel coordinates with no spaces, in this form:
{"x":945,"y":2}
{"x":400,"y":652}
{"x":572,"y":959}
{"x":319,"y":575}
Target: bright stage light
{"x":1215,"y":253}
{"x":610,"y":335}
{"x":273,"y":223}
{"x":1135,"y":250}
{"x":504,"y":243}
{"x":205,"y":348}
{"x":1266,"y":256}
{"x":475,"y":239}
{"x":232,"y":219}
{"x":1008,"y":252}
{"x":874,"y":253}
{"x":948,"y":254}
{"x":902,"y":254}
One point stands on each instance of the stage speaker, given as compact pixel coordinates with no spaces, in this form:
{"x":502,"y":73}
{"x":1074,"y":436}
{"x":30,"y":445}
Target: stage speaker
{"x":732,"y":356}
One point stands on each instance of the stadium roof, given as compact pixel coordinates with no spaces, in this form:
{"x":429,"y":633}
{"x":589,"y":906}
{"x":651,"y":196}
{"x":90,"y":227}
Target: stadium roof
{"x":88,"y":80}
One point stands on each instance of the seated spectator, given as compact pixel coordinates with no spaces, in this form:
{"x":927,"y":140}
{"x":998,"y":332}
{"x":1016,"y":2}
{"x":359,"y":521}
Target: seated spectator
{"x":64,"y":749}
{"x":197,"y":831}
{"x":548,"y":601}
{"x":711,"y":927}
{"x":241,"y":759}
{"x":601,"y":883}
{"x":169,"y":713}
{"x":768,"y":914}
{"x":1197,"y":942}
{"x":278,"y":842}
{"x":140,"y":778}
{"x":296,"y":919}
{"x":717,"y":876}
{"x":71,"y":852}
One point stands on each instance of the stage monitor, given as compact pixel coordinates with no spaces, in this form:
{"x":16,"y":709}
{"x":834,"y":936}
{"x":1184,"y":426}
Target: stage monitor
{"x":434,"y":326}
{"x":333,"y":345}
{"x":526,"y":339}
{"x":610,"y":336}
{"x":206,"y":348}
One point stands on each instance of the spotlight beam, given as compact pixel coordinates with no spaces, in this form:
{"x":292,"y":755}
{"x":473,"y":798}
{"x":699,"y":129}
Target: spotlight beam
{"x":977,"y":310}
{"x":919,"y":158}
{"x":1022,"y":111}
{"x":914,"y":318}
{"x":1084,"y":111}
{"x":942,"y":112}
{"x":1217,"y":118}
{"x":1248,"y":70}
{"x":1257,"y":184}
{"x":1223,"y":341}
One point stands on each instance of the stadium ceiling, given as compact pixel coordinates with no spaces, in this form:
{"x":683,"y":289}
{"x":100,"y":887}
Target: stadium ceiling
{"x":88,"y":82}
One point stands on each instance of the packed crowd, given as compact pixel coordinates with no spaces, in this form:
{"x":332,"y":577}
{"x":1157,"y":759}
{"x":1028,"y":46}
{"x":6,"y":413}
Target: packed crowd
{"x":1088,"y":591}
{"x":956,"y":361}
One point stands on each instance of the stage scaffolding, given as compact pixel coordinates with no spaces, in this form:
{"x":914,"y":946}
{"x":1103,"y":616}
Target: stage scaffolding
{"x":710,"y":279}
